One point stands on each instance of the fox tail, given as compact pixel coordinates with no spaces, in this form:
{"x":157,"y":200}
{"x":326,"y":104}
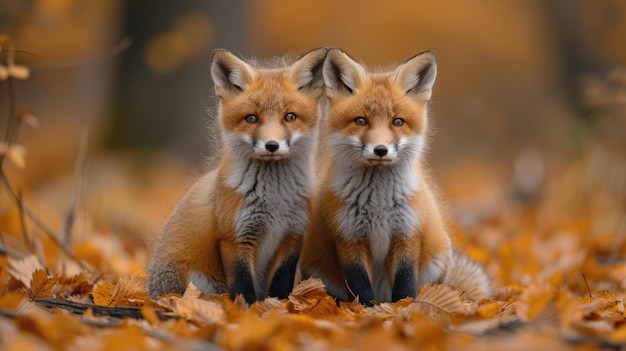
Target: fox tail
{"x":470,"y":277}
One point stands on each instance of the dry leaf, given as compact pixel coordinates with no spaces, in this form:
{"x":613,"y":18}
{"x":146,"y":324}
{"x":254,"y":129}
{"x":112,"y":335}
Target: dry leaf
{"x":130,"y":290}
{"x":310,"y":297}
{"x":12,"y":300}
{"x":23,"y":269}
{"x":191,"y":291}
{"x":534,"y":300}
{"x":150,"y":315}
{"x":607,"y":301}
{"x":41,"y":284}
{"x":14,"y":152}
{"x":102,"y":294}
{"x":437,"y":302}
{"x":198,"y":310}
{"x":266,"y":305}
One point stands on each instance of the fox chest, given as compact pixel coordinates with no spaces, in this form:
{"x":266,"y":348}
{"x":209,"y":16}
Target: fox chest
{"x":376,"y":203}
{"x":377,"y":207}
{"x":275,"y":196}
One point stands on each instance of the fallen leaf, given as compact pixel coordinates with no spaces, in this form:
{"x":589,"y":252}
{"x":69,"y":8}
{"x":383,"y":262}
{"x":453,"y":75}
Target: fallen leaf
{"x":102,"y":294}
{"x":23,"y":269}
{"x":310,"y":297}
{"x":41,"y":284}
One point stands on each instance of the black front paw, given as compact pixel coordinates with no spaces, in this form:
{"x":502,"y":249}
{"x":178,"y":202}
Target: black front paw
{"x":282,"y":282}
{"x":359,"y":284}
{"x":243,"y":283}
{"x":405,"y":282}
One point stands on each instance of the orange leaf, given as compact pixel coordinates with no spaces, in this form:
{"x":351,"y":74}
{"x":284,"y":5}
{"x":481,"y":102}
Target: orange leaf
{"x":607,"y":301}
{"x":150,"y":315}
{"x":534,"y":300}
{"x":130,"y":290}
{"x":23,"y":269}
{"x":102,"y":294}
{"x":310,"y":297}
{"x":41,"y":285}
{"x":11,"y":300}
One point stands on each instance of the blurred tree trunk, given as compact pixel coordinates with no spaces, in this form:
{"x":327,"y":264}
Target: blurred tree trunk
{"x":168,"y":110}
{"x":576,"y":55}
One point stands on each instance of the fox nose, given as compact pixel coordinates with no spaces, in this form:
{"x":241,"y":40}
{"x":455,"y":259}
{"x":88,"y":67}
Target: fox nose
{"x":380,"y":150}
{"x":272,"y":146}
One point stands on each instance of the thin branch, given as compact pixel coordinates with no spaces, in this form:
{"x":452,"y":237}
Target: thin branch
{"x":40,"y":224}
{"x":19,"y":51}
{"x":79,"y":168}
{"x":116,"y":312}
{"x":12,"y":118}
{"x":20,"y":206}
{"x":117,"y":49}
{"x":8,"y":251}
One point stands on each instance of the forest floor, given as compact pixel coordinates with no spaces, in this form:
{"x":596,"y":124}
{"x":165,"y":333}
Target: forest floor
{"x":555,"y":249}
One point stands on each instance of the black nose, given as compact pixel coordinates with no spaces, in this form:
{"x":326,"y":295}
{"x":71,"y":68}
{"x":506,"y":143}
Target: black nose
{"x":380,"y":150}
{"x":272,"y":146}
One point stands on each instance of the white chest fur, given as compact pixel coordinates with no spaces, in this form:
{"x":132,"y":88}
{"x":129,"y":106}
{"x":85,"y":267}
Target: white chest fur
{"x":377,"y":208}
{"x":275,"y":196}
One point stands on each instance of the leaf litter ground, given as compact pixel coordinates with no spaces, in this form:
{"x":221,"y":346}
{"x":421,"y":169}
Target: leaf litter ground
{"x":559,"y":275}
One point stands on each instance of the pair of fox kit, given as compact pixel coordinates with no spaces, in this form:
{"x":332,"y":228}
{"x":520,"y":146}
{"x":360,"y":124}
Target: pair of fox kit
{"x":369,"y":224}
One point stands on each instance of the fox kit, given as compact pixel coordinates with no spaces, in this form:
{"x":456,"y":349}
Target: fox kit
{"x":239,"y":228}
{"x":377,"y":230}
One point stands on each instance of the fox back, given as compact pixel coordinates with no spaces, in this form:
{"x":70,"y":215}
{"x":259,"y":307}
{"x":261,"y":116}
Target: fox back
{"x":239,"y":228}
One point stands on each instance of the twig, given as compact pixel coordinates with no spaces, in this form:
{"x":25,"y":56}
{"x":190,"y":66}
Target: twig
{"x":116,"y":312}
{"x":40,"y":224}
{"x":20,"y":205}
{"x":12,"y":118}
{"x":8,"y":251}
{"x":587,"y":285}
{"x":79,"y":167}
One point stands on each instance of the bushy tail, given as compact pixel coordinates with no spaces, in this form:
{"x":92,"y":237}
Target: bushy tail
{"x":470,"y":277}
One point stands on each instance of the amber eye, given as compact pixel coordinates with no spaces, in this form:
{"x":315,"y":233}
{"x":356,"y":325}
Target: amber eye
{"x":397,"y":122}
{"x":290,"y":117}
{"x":360,"y":121}
{"x":252,"y":119}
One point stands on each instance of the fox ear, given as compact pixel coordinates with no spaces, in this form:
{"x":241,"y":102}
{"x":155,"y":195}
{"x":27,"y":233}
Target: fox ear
{"x":416,"y":75}
{"x":231,"y":75}
{"x":306,"y":73}
{"x":342,"y":74}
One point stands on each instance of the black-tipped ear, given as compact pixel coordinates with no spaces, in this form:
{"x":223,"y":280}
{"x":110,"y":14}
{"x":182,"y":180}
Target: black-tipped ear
{"x":231,"y":75}
{"x":416,"y":76}
{"x":342,"y":74}
{"x":306,"y":72}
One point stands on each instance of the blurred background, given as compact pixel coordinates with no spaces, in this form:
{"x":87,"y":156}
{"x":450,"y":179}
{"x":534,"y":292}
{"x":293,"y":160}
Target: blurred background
{"x":526,"y":89}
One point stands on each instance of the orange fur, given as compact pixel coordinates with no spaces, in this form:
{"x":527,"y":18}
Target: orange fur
{"x":233,"y":220}
{"x":377,"y":225}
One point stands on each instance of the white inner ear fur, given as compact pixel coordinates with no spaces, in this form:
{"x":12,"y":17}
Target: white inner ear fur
{"x":228,"y":71}
{"x":340,"y":70}
{"x":306,"y":71}
{"x":417,"y":75}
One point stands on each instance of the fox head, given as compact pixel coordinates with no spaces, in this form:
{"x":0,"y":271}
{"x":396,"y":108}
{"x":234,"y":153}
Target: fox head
{"x":268,"y":113}
{"x":377,"y":118}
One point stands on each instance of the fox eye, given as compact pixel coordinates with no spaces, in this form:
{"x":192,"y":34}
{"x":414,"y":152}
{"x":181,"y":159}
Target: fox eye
{"x":290,"y":117}
{"x":251,"y":119}
{"x":360,"y":121}
{"x":397,"y":122}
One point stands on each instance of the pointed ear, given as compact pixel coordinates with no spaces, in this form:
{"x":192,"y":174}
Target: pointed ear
{"x":306,"y":72}
{"x":342,"y":74}
{"x":416,"y":75}
{"x":231,"y":75}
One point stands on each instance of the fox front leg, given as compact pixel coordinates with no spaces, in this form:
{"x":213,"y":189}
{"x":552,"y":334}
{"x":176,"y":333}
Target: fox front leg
{"x":402,"y":268}
{"x":282,"y":268}
{"x":356,"y":266}
{"x":238,"y":261}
